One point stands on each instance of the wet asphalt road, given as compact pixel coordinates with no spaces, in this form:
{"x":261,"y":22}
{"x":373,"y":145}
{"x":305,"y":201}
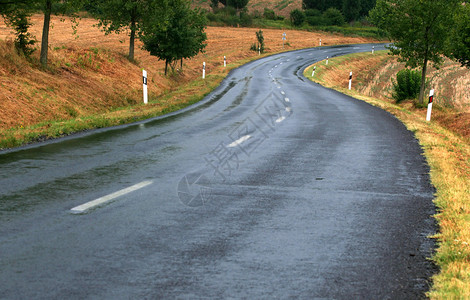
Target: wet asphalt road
{"x":272,"y":187}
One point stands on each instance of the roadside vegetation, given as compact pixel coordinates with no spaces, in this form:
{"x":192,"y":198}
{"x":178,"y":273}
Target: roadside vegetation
{"x":445,"y":141}
{"x":300,"y":15}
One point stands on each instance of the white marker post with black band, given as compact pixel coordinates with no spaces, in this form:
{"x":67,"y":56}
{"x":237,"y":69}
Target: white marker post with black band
{"x":203,"y":70}
{"x":320,"y":42}
{"x":144,"y":73}
{"x":373,"y":49}
{"x":313,"y":72}
{"x":327,"y":60}
{"x":225,"y":61}
{"x":431,"y":96}
{"x":350,"y":80}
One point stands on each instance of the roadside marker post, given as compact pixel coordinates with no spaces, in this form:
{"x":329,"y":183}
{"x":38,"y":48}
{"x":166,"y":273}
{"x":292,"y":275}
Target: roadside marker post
{"x":320,"y":42}
{"x":259,"y":50}
{"x":327,"y":60}
{"x":225,"y":61}
{"x":203,"y":70}
{"x":144,"y":74}
{"x":350,"y":80}
{"x":283,"y":39}
{"x":313,"y":72}
{"x":373,"y":49}
{"x":431,"y":96}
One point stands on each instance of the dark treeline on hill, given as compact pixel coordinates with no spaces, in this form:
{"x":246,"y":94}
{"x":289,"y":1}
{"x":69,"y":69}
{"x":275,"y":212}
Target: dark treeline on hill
{"x":352,"y":10}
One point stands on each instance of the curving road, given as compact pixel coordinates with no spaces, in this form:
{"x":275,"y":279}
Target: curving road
{"x":272,"y":187}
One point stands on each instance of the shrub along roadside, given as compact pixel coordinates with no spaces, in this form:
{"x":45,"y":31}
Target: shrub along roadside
{"x":406,"y":86}
{"x":448,"y":156}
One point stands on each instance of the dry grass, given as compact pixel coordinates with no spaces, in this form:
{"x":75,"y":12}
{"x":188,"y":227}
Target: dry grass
{"x":89,"y":75}
{"x":447,"y":151}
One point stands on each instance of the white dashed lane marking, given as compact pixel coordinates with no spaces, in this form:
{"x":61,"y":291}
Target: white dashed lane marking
{"x":105,"y":199}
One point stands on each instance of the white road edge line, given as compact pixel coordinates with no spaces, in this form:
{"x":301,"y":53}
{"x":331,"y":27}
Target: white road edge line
{"x":280,"y":119}
{"x":239,"y":141}
{"x":86,"y":206}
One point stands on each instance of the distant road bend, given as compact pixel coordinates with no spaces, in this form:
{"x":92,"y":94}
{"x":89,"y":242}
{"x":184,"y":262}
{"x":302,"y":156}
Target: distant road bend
{"x":271,"y":187}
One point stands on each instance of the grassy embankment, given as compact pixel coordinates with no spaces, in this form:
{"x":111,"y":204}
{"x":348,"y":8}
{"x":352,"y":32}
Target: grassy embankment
{"x":445,"y":141}
{"x":90,"y":84}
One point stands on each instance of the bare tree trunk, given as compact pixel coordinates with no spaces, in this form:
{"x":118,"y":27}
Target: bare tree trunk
{"x":423,"y":82}
{"x":181,"y":65}
{"x":132,"y":40}
{"x":45,"y":33}
{"x":166,"y":66}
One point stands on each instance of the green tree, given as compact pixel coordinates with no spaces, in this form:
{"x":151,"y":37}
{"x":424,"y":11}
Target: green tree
{"x":407,"y":85}
{"x":320,"y":5}
{"x":333,"y":16}
{"x":351,"y":9}
{"x":119,"y":15}
{"x":238,"y":4}
{"x":366,"y":6}
{"x":418,"y":29}
{"x":458,"y":44}
{"x":297,"y":17}
{"x":260,"y":38}
{"x":214,"y":5}
{"x":181,"y":36}
{"x":16,"y":15}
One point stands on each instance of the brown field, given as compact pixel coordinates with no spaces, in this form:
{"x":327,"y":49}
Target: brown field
{"x":89,"y":73}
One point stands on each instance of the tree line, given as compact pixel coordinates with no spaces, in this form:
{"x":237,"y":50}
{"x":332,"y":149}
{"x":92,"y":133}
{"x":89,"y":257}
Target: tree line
{"x":169,"y":29}
{"x":352,"y":10}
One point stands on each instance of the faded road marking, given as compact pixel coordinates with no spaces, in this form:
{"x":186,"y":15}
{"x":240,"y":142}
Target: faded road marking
{"x":239,"y":141}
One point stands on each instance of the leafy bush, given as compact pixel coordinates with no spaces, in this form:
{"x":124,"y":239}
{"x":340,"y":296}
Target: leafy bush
{"x":406,"y":85}
{"x":229,"y":10}
{"x":333,"y":16}
{"x":260,"y":45}
{"x":297,"y":17}
{"x":256,"y":14}
{"x":312,"y":13}
{"x":212,"y":17}
{"x":269,"y":14}
{"x":245,"y":19}
{"x":228,"y":16}
{"x":19,"y":21}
